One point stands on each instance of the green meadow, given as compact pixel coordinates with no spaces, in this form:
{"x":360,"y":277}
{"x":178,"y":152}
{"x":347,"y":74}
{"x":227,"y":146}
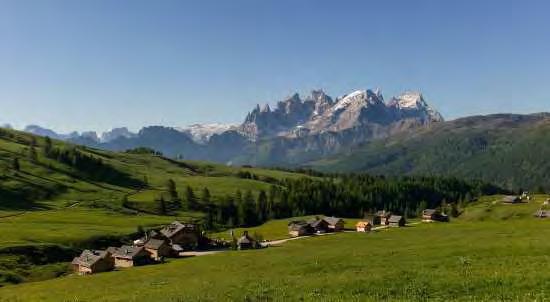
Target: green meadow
{"x":502,"y":255}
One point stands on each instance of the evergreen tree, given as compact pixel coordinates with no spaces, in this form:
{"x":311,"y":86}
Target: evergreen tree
{"x":48,"y":146}
{"x":15,"y":164}
{"x":171,"y":189}
{"x":191,"y":199}
{"x":205,"y":196}
{"x":162,"y":205}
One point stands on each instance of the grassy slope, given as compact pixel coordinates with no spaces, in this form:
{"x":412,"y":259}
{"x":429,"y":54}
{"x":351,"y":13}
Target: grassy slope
{"x":68,"y":212}
{"x":501,"y":255}
{"x":508,"y":150}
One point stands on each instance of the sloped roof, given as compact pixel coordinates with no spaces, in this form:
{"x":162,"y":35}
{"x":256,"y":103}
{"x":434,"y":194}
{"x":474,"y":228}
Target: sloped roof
{"x":510,"y":198}
{"x":430,"y":212}
{"x":127,"y":251}
{"x":332,"y":220}
{"x":362,"y":224}
{"x":154,"y":244}
{"x":395,"y":218}
{"x":88,"y":257}
{"x":383,"y":213}
{"x":175,"y":227}
{"x":316,"y":223}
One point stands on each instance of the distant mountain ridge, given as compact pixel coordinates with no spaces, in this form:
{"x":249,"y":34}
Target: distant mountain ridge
{"x":296,"y":130}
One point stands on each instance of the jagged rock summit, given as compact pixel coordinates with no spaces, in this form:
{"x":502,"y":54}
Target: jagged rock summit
{"x":318,"y":113}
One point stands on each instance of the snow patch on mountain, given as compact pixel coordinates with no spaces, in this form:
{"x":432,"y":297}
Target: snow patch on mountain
{"x":201,"y":133}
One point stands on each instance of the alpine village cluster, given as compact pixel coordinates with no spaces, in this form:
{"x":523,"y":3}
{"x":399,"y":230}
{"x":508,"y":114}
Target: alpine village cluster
{"x":180,"y":239}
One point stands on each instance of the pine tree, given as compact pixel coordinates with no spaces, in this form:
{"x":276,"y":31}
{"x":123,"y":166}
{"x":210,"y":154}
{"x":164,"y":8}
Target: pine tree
{"x":15,"y":164}
{"x":171,"y":189}
{"x":162,"y":205}
{"x":205,"y":196}
{"x":191,"y":199}
{"x":48,"y":146}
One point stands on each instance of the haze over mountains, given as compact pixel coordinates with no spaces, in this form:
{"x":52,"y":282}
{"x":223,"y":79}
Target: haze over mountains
{"x":305,"y":128}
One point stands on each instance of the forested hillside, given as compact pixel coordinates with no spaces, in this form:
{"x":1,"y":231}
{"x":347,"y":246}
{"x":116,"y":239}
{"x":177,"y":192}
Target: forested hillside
{"x":508,"y":150}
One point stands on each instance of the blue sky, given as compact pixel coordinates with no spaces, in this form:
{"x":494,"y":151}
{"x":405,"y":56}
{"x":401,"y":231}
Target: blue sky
{"x":79,"y":65}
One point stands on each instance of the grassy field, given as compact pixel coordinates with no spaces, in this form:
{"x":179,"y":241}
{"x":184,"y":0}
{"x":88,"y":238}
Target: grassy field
{"x":498,"y":256}
{"x":71,"y":225}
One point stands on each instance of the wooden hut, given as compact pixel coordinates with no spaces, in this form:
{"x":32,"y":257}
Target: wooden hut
{"x":430,"y":215}
{"x":510,"y":199}
{"x":128,"y":256}
{"x":382,"y":217}
{"x":363,"y":226}
{"x":246,"y":242}
{"x":158,"y":249}
{"x":334,"y":224}
{"x":396,"y":221}
{"x":93,"y":261}
{"x":319,"y":226}
{"x":300,"y":228}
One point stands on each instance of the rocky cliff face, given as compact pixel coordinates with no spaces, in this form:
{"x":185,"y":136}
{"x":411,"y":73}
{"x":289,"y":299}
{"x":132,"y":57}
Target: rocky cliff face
{"x":319,"y":113}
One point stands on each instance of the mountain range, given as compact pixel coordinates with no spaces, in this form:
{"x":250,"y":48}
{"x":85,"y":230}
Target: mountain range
{"x":297,"y":130}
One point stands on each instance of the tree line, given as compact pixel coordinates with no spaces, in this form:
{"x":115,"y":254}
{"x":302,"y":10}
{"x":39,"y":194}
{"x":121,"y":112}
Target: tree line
{"x":352,"y":195}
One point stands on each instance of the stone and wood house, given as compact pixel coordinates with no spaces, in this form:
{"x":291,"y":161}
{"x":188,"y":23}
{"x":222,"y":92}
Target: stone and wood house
{"x":158,"y":249}
{"x":93,"y":261}
{"x":128,"y":256}
{"x":185,"y":235}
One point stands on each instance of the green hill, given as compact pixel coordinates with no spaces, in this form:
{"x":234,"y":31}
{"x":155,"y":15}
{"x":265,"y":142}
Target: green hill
{"x":508,"y":150}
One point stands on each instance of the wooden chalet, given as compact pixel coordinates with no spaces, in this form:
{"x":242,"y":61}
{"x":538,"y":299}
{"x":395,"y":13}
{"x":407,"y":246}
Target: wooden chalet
{"x":158,"y":249}
{"x":363,"y":226}
{"x":185,"y":235}
{"x":93,"y":261}
{"x":128,"y":256}
{"x":334,"y":224}
{"x":246,"y":242}
{"x":300,"y":228}
{"x":396,"y":221}
{"x":510,"y":199}
{"x":430,"y":215}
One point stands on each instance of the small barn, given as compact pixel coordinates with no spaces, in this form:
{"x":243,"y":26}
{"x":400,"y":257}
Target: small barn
{"x":510,"y":199}
{"x":430,"y":215}
{"x":396,"y":221}
{"x":363,"y":226}
{"x":246,"y":242}
{"x":158,"y":249}
{"x":128,"y":256}
{"x":334,"y":224}
{"x":93,"y":261}
{"x":300,"y":228}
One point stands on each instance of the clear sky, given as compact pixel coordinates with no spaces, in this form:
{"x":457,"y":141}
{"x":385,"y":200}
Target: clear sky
{"x":93,"y":65}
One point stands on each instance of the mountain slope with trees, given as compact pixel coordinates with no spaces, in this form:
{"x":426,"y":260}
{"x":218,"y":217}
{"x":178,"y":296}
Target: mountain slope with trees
{"x":506,"y":149}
